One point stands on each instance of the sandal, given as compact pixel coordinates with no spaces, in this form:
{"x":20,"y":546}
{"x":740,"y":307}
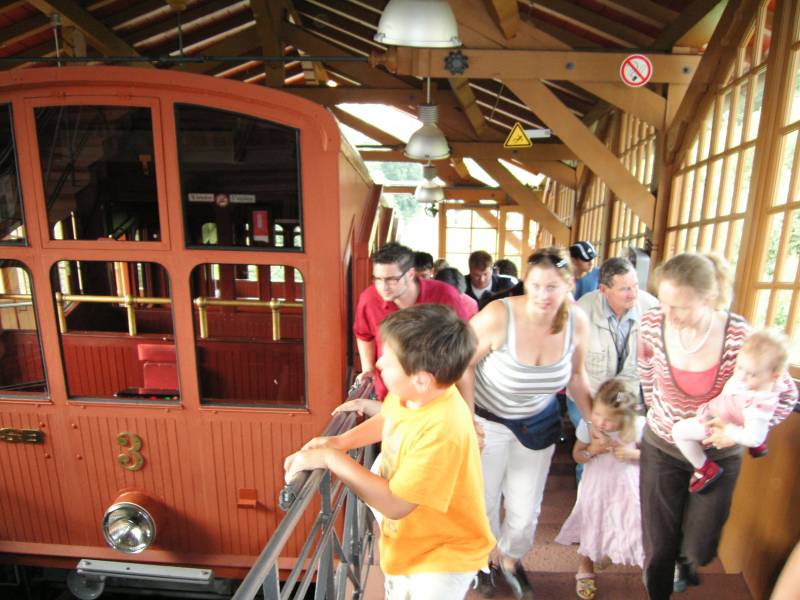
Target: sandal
{"x":585,"y":586}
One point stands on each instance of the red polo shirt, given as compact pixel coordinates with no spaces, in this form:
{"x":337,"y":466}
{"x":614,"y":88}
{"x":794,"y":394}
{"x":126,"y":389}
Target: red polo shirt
{"x":372,"y":310}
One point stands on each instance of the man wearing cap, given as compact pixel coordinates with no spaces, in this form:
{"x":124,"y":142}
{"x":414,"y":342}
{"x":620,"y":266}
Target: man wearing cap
{"x":587,"y":276}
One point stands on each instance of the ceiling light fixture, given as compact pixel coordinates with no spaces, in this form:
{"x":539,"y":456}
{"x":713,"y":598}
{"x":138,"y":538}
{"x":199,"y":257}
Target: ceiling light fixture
{"x":418,"y":23}
{"x":428,"y":191}
{"x":427,"y":142}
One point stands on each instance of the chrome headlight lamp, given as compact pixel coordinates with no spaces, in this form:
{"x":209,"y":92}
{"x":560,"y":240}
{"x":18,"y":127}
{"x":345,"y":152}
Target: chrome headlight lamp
{"x":129,"y":525}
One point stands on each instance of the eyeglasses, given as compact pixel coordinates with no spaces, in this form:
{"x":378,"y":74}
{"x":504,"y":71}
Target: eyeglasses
{"x":554,"y":259}
{"x":389,"y":280}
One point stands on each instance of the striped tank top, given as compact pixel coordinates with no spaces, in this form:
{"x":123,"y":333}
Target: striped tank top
{"x":511,"y":389}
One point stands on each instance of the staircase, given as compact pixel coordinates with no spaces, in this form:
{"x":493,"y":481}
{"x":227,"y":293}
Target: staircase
{"x":551,"y":566}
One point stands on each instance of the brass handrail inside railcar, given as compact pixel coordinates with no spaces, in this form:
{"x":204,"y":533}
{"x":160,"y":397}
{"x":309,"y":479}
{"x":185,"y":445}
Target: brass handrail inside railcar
{"x":129,"y":301}
{"x":354,"y":552}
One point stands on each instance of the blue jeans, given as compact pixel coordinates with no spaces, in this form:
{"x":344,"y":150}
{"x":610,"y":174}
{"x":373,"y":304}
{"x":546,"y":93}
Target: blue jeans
{"x":575,"y":417}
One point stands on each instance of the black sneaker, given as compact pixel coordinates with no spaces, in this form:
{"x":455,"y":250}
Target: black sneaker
{"x":517,"y":581}
{"x":485,"y":584}
{"x":685,"y":575}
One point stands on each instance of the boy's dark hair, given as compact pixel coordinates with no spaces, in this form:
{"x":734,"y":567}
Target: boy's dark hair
{"x":480,"y":259}
{"x":430,"y":337}
{"x":423,"y":261}
{"x":452,"y":276}
{"x":394,"y":253}
{"x":506,"y":267}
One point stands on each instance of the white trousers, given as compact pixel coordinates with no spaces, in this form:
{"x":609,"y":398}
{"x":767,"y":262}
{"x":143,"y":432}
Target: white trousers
{"x":428,"y":586}
{"x":518,"y":475}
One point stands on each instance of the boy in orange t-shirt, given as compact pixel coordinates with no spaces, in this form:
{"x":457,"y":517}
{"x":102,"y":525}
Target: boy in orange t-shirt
{"x":435,"y":534}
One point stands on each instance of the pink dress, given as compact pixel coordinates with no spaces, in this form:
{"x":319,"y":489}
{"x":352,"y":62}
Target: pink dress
{"x":606,"y":519}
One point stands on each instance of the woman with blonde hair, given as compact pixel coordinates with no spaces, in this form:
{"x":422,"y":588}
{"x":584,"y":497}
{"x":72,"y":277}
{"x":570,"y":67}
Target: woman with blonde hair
{"x":687,"y":352}
{"x":529,"y":348}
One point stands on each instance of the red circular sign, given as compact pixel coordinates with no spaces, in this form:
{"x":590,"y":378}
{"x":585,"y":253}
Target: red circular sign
{"x":636,"y":70}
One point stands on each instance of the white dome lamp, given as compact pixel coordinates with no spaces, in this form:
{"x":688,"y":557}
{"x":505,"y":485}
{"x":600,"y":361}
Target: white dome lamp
{"x":428,"y":191}
{"x":418,"y":23}
{"x":427,"y":142}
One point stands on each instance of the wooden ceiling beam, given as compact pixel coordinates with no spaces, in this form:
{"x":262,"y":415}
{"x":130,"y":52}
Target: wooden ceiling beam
{"x":100,"y":36}
{"x":505,"y":14}
{"x":647,"y":8}
{"x":15,"y":32}
{"x":711,"y":74}
{"x":554,"y":169}
{"x":361,"y":72}
{"x":485,"y":151}
{"x":641,"y":102}
{"x":268,"y":15}
{"x":402,"y":97}
{"x":466,"y":98}
{"x":240,"y":43}
{"x":687,"y":19}
{"x":469,"y":194}
{"x":577,"y":66}
{"x":528,"y":200}
{"x":589,"y":148}
{"x":595,"y":21}
{"x":377,"y":134}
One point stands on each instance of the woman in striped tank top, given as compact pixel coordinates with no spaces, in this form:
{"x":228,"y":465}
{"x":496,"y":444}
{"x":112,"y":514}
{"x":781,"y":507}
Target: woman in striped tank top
{"x":687,"y":352}
{"x":529,"y":348}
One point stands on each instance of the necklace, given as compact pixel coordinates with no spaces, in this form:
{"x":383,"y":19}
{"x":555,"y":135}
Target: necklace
{"x":702,"y":342}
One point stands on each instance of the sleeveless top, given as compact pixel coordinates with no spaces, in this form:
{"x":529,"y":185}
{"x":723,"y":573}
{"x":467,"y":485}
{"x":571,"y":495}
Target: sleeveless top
{"x":695,"y":383}
{"x":511,"y":389}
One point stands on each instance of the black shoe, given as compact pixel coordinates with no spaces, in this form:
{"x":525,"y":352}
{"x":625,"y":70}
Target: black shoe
{"x":486,"y":584}
{"x":685,"y":575}
{"x":518,"y":581}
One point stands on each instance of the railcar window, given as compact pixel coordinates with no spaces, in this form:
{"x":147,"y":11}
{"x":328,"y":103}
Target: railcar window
{"x":12,"y":228}
{"x":250,"y":334}
{"x":98,"y":172}
{"x":241,"y":173}
{"x":21,"y":367}
{"x":116,"y":330}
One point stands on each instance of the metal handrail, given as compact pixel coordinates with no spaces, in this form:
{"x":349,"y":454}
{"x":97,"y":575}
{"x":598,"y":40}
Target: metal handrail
{"x":129,"y":301}
{"x":356,"y":545}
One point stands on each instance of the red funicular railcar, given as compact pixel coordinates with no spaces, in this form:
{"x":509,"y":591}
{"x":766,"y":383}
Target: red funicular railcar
{"x":177,"y":255}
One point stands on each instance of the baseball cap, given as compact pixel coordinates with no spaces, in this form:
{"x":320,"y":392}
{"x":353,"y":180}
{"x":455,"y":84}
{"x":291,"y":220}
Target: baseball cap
{"x":582,"y":251}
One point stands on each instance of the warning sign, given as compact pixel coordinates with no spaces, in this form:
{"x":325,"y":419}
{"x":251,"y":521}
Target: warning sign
{"x":636,"y":70}
{"x":517,"y":138}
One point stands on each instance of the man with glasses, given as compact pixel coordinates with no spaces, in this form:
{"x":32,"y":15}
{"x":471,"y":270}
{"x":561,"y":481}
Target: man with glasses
{"x":395,"y":287}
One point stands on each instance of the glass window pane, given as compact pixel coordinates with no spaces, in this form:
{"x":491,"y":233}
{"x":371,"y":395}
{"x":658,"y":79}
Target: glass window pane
{"x":715,"y":170}
{"x":722,"y":132}
{"x":484,"y":239}
{"x":734,"y":242}
{"x":728,"y":185}
{"x":789,"y":271}
{"x":788,"y":145}
{"x":743,"y":191}
{"x":762,"y":303}
{"x":741,"y":107}
{"x":459,"y":218}
{"x":514,"y":220}
{"x":755,"y":118}
{"x":249,"y":354}
{"x":21,"y":368}
{"x":774,"y":229}
{"x":98,"y":169}
{"x":111,"y":349}
{"x":794,"y":107}
{"x":12,"y":228}
{"x":240,"y":172}
{"x":458,"y":241}
{"x":783,"y":301}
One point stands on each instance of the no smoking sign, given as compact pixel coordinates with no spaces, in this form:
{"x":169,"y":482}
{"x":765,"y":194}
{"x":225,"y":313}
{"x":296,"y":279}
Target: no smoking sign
{"x":636,"y":70}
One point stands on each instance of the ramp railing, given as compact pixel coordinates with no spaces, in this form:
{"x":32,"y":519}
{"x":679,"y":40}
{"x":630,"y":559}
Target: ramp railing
{"x":337,"y":564}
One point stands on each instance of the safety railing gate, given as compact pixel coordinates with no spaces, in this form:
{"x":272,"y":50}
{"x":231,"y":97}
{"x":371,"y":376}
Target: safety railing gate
{"x":335,"y":562}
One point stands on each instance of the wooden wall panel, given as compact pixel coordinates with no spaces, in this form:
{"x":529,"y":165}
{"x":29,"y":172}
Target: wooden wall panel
{"x":763,"y":526}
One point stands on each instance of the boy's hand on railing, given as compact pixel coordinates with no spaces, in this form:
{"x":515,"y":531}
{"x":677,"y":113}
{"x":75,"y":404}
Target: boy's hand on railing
{"x":323,"y":442}
{"x":305,"y":460}
{"x":362,"y":406}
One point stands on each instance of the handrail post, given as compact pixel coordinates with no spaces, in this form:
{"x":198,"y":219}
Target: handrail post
{"x":202,"y":318}
{"x":62,"y":320}
{"x":325,"y":587}
{"x":275,"y":307}
{"x":127,"y":302}
{"x":272,"y":587}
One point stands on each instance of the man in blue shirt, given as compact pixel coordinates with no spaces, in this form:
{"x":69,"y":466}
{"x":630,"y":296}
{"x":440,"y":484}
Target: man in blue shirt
{"x":587,"y":276}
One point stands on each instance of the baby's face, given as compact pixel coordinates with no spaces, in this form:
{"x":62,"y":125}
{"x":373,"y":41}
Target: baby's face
{"x":755,"y":371}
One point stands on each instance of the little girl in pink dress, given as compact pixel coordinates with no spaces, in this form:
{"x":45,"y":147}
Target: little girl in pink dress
{"x":606,"y":519}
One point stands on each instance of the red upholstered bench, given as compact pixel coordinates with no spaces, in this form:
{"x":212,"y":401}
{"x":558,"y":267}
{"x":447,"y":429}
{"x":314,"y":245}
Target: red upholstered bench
{"x":158,"y":366}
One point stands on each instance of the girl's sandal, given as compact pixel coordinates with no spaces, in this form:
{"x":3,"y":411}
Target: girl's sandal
{"x":585,"y":586}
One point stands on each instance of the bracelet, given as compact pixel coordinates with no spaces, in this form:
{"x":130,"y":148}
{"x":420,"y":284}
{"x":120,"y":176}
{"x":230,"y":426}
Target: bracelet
{"x":587,"y":455}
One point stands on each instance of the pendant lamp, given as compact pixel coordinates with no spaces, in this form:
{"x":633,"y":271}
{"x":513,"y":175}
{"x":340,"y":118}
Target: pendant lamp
{"x":428,"y":191}
{"x":427,"y":142}
{"x":418,"y":23}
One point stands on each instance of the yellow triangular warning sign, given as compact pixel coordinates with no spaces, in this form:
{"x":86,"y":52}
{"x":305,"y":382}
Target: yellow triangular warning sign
{"x":517,"y":138}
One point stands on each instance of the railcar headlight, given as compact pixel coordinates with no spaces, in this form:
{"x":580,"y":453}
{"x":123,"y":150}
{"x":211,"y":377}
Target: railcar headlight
{"x":129,"y":525}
